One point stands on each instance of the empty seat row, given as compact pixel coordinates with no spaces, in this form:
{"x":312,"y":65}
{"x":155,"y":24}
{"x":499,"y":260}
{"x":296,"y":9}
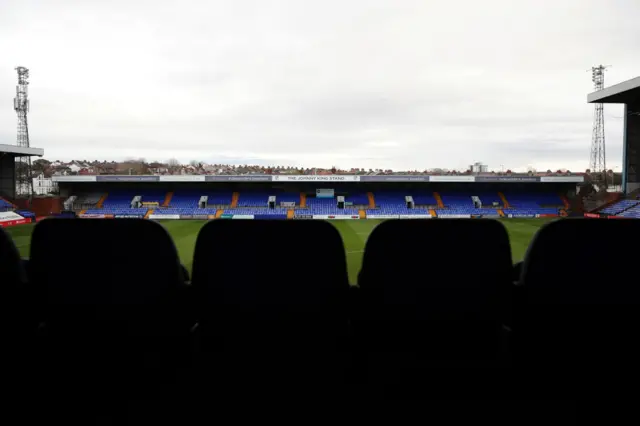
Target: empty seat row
{"x":127,"y":314}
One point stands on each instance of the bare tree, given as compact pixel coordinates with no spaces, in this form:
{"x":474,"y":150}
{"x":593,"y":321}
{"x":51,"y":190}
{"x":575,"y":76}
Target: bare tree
{"x":173,"y":165}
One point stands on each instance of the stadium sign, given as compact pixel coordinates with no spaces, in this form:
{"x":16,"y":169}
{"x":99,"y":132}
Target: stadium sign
{"x":395,"y":178}
{"x":183,"y":178}
{"x":115,"y":178}
{"x":506,"y":179}
{"x":248,"y":178}
{"x":451,"y":178}
{"x":316,"y":178}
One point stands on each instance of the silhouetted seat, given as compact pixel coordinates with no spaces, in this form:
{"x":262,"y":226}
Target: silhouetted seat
{"x":433,"y":295}
{"x":271,"y":300}
{"x":110,"y":297}
{"x":579,"y":318}
{"x":17,"y":324}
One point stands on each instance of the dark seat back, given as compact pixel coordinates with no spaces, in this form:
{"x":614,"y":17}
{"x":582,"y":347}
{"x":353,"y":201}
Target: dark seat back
{"x":580,"y":310}
{"x":433,"y":293}
{"x":271,"y":295}
{"x":109,"y":293}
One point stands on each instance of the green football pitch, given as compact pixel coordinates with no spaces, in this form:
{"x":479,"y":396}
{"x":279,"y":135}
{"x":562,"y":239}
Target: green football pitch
{"x":354,"y":234}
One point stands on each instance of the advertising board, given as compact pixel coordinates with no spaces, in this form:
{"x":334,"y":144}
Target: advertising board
{"x":455,"y":216}
{"x":592,"y":215}
{"x":242,"y":216}
{"x":287,"y":203}
{"x":92,"y":216}
{"x":303,"y":216}
{"x":383,"y":216}
{"x":270,"y":217}
{"x":164,"y":216}
{"x":128,"y":216}
{"x":415,"y":216}
{"x":7,"y":223}
{"x":336,"y":217}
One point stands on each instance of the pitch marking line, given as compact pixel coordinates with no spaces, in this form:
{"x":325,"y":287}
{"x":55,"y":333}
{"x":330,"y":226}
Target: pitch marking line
{"x":355,"y":251}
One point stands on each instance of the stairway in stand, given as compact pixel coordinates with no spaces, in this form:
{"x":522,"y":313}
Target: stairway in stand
{"x":372,"y":200}
{"x":234,"y":200}
{"x":505,"y":203}
{"x":167,"y":199}
{"x":102,"y":200}
{"x":438,"y":200}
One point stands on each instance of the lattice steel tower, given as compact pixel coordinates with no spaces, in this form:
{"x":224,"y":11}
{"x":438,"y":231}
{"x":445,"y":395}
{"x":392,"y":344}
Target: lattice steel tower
{"x":598,"y":162}
{"x":24,"y":176}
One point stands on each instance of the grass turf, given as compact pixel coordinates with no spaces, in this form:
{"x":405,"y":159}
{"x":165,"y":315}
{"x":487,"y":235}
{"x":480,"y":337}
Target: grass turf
{"x":354,"y":234}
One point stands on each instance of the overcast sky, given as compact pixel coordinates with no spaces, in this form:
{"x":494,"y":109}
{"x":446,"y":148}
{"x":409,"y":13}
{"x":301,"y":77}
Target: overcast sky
{"x":396,"y":84}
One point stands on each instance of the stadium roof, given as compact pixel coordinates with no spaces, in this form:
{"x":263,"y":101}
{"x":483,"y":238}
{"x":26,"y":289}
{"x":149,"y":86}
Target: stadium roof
{"x":20,"y":150}
{"x":626,"y":92}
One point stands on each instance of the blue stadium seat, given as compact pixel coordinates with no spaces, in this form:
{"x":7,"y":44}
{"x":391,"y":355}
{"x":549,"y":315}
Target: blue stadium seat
{"x":625,"y":208}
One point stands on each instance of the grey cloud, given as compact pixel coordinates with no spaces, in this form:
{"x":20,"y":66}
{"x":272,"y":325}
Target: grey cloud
{"x":412,"y":84}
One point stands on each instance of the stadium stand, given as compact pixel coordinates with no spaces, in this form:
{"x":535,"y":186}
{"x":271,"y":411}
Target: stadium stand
{"x":620,"y":207}
{"x":325,"y":206}
{"x":358,"y":199}
{"x":5,"y":205}
{"x":535,"y":203}
{"x":84,"y":200}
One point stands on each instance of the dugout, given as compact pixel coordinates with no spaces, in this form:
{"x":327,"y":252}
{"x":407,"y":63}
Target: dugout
{"x":628,"y":94}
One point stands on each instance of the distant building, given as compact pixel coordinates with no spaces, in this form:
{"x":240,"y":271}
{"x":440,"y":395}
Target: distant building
{"x":479,"y":168}
{"x":44,"y":186}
